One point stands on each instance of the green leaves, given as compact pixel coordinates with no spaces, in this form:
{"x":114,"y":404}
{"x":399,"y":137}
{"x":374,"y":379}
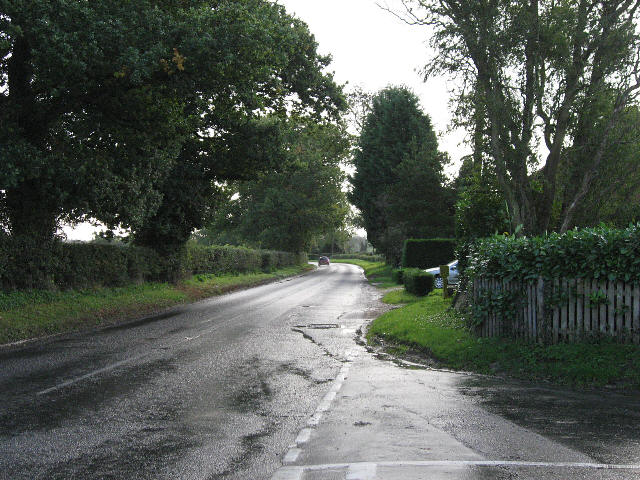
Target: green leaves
{"x":399,"y":172}
{"x":600,"y":252}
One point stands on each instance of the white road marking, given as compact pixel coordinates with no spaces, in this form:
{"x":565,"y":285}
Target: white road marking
{"x":292,"y":455}
{"x":303,"y":436}
{"x":288,"y":473}
{"x":91,"y":374}
{"x":325,"y":404}
{"x":474,"y":463}
{"x":362,"y":471}
{"x":124,"y":362}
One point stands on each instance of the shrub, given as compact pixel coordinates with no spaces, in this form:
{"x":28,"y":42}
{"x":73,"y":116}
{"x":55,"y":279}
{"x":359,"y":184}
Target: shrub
{"x":370,"y":257}
{"x":86,"y":265}
{"x":418,"y":282}
{"x":397,"y":275}
{"x":599,"y":252}
{"x":427,"y":252}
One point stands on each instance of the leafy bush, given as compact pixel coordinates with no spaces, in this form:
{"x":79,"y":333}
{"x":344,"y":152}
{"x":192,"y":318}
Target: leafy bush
{"x":418,"y":282}
{"x":370,"y":257}
{"x":86,"y":265}
{"x":398,"y":275}
{"x":427,"y":252}
{"x":600,"y":252}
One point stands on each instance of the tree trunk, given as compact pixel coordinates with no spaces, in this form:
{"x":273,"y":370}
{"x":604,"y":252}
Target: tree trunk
{"x":33,"y":225}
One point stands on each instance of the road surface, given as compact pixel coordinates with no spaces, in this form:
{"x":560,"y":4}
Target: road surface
{"x":269,"y":383}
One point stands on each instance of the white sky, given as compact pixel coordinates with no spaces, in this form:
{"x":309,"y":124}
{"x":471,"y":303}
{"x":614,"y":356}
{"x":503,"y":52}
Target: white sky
{"x":372,"y":49}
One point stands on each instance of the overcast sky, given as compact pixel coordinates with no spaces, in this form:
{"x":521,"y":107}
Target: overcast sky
{"x":372,"y":48}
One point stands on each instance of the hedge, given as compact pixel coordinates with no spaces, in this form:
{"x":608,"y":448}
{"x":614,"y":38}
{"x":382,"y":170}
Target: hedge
{"x":418,"y":281}
{"x":371,"y":257}
{"x":86,"y":265}
{"x":427,"y":252}
{"x":600,"y":252}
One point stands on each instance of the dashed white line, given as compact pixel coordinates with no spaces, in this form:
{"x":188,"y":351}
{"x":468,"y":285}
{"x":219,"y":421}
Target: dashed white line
{"x":288,"y":473}
{"x":292,"y":455}
{"x":472,"y":463}
{"x":303,"y":436}
{"x":325,"y":404}
{"x":362,"y":471}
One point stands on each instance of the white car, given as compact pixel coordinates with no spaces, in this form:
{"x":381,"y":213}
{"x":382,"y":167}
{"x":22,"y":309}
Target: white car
{"x":453,"y":274}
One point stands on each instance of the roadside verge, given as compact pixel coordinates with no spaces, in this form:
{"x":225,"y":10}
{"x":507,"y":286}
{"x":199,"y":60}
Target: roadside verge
{"x":33,"y":314}
{"x":427,"y":328}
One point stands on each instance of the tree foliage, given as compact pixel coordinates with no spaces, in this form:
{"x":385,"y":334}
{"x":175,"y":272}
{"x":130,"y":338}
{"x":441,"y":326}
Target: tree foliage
{"x":287,"y":209}
{"x":537,"y":66}
{"x":130,"y":112}
{"x":398,"y":185}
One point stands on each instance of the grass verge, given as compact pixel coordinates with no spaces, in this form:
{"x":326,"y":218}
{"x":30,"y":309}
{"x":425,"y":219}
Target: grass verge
{"x":428,"y":328}
{"x":32,"y":314}
{"x":378,"y":273}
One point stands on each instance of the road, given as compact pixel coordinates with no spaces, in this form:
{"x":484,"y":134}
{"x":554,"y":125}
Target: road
{"x":269,"y":383}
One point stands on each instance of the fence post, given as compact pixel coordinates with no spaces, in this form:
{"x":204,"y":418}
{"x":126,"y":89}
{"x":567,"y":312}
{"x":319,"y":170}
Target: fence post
{"x":540,"y":310}
{"x":580,"y":308}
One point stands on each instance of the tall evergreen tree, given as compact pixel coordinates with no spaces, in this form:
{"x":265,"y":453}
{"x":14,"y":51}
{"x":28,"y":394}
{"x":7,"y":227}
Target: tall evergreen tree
{"x":398,"y":185}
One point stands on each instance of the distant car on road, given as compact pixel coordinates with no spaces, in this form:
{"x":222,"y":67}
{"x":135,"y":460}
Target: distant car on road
{"x":453,"y":274}
{"x":324,"y":261}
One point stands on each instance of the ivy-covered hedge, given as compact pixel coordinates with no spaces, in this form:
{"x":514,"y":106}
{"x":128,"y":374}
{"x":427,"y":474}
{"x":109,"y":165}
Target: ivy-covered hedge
{"x":427,"y":252}
{"x":599,"y":252}
{"x":85,"y":265}
{"x":418,"y":281}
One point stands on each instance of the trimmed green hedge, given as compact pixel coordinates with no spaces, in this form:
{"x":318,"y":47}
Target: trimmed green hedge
{"x":418,"y":281}
{"x":427,"y":252}
{"x":370,"y":257}
{"x":599,"y":252}
{"x":86,"y":265}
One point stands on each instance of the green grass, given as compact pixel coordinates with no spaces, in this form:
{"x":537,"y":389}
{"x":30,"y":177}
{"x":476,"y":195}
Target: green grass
{"x":378,"y":273}
{"x":429,"y":328}
{"x":33,"y":314}
{"x":399,"y":296}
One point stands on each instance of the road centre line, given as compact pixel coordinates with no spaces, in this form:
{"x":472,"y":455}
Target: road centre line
{"x":120,"y":363}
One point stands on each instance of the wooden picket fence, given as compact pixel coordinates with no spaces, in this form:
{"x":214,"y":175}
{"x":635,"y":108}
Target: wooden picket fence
{"x":561,"y":310}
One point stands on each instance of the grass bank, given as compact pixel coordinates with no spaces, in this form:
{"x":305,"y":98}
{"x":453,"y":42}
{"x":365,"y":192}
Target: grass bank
{"x":25,"y":315}
{"x":427,"y":327}
{"x":378,"y":273}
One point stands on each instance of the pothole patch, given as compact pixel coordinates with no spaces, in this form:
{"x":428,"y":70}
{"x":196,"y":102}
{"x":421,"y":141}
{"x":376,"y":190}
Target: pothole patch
{"x":319,"y":326}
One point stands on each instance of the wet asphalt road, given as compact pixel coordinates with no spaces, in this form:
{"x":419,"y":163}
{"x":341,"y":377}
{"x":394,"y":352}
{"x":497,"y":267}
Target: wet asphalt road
{"x":227,"y":388}
{"x":212,"y":390}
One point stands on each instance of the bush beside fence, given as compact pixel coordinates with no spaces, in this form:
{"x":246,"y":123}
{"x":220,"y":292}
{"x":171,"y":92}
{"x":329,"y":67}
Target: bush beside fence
{"x":580,"y":285}
{"x":417,"y":281}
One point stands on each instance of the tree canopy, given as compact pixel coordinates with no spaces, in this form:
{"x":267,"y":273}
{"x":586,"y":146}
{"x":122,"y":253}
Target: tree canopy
{"x":290,"y":207}
{"x":130,"y":112}
{"x":398,"y":185}
{"x":533,"y":76}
